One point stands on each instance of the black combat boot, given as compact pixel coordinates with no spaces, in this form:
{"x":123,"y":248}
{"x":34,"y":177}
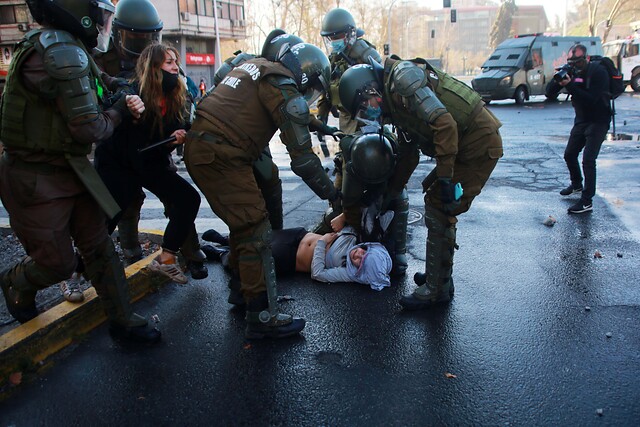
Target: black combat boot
{"x":216,"y":253}
{"x":21,"y":305}
{"x":197,"y":269}
{"x":265,"y":323}
{"x":235,"y":295}
{"x":142,"y":334}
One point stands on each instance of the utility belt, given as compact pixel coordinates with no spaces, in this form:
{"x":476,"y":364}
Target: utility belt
{"x":39,"y":167}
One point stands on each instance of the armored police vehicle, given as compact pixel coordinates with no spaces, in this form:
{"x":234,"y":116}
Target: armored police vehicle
{"x":522,"y":66}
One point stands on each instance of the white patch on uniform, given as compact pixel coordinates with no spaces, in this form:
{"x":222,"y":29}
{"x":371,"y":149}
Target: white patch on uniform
{"x":231,"y":81}
{"x":252,"y":69}
{"x":433,"y":75}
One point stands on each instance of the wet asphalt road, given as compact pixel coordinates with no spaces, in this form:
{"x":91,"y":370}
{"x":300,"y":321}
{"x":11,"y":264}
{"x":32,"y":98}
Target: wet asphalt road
{"x":539,"y":333}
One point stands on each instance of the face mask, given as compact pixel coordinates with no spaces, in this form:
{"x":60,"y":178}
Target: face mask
{"x":169,"y":81}
{"x":338,"y":45}
{"x":372,"y":113}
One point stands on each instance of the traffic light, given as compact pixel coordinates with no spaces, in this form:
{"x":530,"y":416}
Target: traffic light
{"x":446,"y":3}
{"x":386,"y":49}
{"x":454,"y":18}
{"x":433,"y":34}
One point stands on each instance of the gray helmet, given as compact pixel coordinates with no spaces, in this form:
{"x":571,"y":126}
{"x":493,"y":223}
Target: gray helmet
{"x":371,"y":158}
{"x":90,"y":21}
{"x":275,"y":42}
{"x":136,"y":25}
{"x":229,"y":64}
{"x":337,"y":24}
{"x":310,"y":67}
{"x":356,"y":84}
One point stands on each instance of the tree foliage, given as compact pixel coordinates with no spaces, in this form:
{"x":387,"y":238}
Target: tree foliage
{"x":502,"y":26}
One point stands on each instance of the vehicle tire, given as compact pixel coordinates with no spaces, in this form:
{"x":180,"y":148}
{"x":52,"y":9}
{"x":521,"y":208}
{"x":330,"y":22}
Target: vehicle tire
{"x":521,"y":95}
{"x":635,"y":82}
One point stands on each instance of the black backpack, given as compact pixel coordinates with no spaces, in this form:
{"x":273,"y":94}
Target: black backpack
{"x":616,"y":87}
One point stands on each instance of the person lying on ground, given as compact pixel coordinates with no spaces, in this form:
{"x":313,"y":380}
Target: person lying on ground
{"x":333,"y":257}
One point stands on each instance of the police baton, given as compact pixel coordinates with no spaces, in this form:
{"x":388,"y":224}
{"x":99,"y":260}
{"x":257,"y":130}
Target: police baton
{"x":157,"y":144}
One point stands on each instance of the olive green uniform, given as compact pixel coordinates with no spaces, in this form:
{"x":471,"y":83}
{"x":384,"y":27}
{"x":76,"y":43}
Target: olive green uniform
{"x":359,"y":53}
{"x":233,"y":126}
{"x":463,"y":136}
{"x":50,"y":116}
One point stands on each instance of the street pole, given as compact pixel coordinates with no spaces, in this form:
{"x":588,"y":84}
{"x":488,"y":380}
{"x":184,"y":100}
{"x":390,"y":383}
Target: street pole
{"x":217,"y":59}
{"x":389,"y":25}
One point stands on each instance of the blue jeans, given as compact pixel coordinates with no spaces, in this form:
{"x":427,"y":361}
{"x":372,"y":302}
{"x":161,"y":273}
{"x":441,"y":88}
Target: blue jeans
{"x":587,"y":136}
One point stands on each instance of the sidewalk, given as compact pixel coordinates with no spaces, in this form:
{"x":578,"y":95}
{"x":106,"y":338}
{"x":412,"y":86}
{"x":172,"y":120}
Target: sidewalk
{"x":26,"y":347}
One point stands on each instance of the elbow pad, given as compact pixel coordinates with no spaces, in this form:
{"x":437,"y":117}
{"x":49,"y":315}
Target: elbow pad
{"x":295,"y":124}
{"x":67,"y":65}
{"x":309,"y":168}
{"x":410,"y":82}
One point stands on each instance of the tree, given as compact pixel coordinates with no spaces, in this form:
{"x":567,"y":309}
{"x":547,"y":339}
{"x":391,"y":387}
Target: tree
{"x":502,"y":26}
{"x":614,"y":13}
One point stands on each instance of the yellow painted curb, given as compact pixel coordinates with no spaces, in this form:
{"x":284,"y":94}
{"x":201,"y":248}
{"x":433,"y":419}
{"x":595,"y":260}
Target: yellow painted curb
{"x":27,"y":346}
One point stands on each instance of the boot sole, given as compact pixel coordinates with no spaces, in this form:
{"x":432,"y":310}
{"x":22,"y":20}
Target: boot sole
{"x":278,"y":332}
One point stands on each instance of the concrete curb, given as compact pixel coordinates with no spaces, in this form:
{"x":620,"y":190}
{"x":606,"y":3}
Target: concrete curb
{"x":27,"y":347}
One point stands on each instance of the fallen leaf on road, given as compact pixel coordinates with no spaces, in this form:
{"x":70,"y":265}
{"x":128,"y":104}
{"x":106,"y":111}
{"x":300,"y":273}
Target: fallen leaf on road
{"x":450,"y":375}
{"x":550,"y":221}
{"x":597,"y":254}
{"x":247,"y":346}
{"x":15,"y":378}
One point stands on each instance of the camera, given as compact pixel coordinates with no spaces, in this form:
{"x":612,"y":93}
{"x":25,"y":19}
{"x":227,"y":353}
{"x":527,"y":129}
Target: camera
{"x":564,"y":71}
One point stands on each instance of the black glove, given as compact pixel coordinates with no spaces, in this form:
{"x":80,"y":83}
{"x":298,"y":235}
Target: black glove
{"x":448,"y":194}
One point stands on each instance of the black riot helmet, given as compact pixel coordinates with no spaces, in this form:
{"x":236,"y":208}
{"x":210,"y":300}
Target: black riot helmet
{"x":371,"y":158}
{"x":136,"y":25}
{"x":357,"y":85}
{"x":310,"y":67}
{"x":88,"y":20}
{"x":338,"y":30}
{"x":275,"y":41}
{"x":229,"y":64}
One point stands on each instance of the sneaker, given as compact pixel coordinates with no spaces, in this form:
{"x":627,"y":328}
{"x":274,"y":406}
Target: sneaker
{"x":172,"y":271}
{"x":215,"y":237}
{"x":570,"y":190}
{"x":71,"y":290}
{"x":580,"y":207}
{"x":197,"y":269}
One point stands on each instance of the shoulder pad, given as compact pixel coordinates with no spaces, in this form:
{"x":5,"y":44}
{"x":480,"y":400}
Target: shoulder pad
{"x":297,"y":110}
{"x":362,"y":50}
{"x":278,"y":80}
{"x":52,"y":37}
{"x":407,"y":78}
{"x":66,"y":62}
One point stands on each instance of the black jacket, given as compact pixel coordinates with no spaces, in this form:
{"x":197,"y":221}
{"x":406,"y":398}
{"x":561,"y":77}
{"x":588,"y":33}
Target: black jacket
{"x":589,"y":95}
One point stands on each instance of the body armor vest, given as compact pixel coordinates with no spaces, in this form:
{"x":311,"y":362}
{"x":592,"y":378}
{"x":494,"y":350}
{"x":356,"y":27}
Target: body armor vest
{"x":462,"y":102}
{"x":29,"y":121}
{"x":234,"y":108}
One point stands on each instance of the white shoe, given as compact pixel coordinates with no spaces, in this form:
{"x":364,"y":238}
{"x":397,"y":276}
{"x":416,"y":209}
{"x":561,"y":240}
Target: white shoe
{"x":71,"y":290}
{"x":172,"y":271}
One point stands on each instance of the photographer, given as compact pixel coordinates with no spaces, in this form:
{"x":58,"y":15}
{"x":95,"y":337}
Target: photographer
{"x":588,"y":84}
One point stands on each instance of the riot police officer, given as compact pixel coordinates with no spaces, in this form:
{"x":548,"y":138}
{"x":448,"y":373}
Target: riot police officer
{"x":445,"y":119}
{"x":366,"y":164}
{"x":344,"y":40}
{"x":51,"y":114}
{"x":232,"y":127}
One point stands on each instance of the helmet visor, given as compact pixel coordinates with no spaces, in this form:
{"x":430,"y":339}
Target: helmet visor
{"x":104,"y":29}
{"x":313,"y":92}
{"x":362,"y":98}
{"x":134,"y":43}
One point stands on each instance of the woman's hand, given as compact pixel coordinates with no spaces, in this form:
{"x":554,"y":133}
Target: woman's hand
{"x":181,"y":136}
{"x":135,"y":105}
{"x":338,"y":223}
